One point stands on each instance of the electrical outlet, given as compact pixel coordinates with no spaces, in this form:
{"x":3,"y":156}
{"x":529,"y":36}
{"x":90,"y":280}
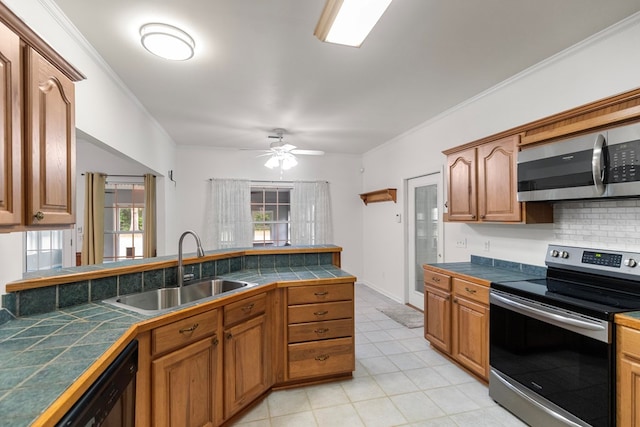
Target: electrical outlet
{"x":487,"y":245}
{"x":461,"y":243}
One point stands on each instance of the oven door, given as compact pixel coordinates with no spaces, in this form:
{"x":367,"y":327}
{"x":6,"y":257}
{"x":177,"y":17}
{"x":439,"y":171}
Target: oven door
{"x":550,"y":366}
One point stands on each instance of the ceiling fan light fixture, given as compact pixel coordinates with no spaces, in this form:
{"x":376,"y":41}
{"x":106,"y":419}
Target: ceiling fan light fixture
{"x":349,"y":22}
{"x":167,"y":41}
{"x":288,"y":161}
{"x":273,"y":162}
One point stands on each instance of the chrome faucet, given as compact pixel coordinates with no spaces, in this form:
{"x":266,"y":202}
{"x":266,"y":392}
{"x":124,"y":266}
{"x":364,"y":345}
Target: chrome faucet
{"x":200,"y":253}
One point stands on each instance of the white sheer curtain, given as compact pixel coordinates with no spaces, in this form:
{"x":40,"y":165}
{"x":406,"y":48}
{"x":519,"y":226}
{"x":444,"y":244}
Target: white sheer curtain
{"x":311,"y":214}
{"x":228,"y":215}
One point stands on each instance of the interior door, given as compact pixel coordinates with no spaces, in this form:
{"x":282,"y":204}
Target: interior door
{"x":425,"y":232}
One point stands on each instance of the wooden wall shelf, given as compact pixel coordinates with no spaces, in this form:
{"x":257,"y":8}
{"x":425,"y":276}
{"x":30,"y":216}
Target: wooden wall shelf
{"x":386,"y":195}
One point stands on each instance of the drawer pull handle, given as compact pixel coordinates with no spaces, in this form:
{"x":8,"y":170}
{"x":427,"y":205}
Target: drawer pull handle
{"x":471,"y":291}
{"x":321,"y":313}
{"x":248,"y":308}
{"x":189,"y":330}
{"x":322,"y":357}
{"x":321,"y":331}
{"x":321,"y":294}
{"x":436,"y":279}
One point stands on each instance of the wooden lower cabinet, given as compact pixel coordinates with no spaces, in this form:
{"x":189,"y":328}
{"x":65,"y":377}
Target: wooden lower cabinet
{"x":320,"y":331}
{"x":437,"y":322}
{"x":470,"y":329}
{"x":203,"y":370}
{"x":628,"y":377}
{"x":246,"y":363}
{"x":186,"y":372}
{"x":456,"y":316}
{"x":187,"y":385}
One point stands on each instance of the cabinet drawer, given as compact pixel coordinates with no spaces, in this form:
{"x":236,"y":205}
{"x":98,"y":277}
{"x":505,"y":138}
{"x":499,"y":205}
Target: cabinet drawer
{"x":320,"y":330}
{"x":183,"y":332}
{"x":471,"y":291}
{"x":319,"y":293}
{"x":245,"y":309}
{"x":438,"y":280}
{"x":316,"y":312}
{"x":320,"y":358}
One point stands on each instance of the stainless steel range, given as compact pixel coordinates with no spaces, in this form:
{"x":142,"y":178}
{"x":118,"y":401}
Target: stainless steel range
{"x":552,"y":348}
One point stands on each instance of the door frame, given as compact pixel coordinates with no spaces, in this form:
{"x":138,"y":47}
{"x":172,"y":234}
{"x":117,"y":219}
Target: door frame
{"x":430,"y":178}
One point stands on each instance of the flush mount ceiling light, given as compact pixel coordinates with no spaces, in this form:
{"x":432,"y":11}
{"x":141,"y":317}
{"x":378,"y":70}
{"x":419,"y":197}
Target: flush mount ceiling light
{"x":167,"y":41}
{"x":348,"y":22}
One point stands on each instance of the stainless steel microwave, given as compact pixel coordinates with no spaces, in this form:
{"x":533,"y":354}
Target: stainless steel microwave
{"x":600,"y":164}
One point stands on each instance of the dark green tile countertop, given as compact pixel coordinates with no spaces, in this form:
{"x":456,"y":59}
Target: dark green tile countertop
{"x":42,"y":355}
{"x":494,"y":270}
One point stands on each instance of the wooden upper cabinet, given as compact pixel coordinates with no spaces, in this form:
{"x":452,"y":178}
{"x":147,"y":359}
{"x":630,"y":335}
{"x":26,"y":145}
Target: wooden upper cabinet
{"x":483,"y":185}
{"x":461,"y":168}
{"x":497,"y":181}
{"x":10,"y":128}
{"x":50,"y":144}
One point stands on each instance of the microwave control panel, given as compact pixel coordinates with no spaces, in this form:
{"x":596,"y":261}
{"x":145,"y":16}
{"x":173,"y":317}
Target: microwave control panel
{"x":624,"y":162}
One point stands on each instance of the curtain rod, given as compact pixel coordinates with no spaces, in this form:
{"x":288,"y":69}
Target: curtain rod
{"x":121,"y":176}
{"x":274,"y":182}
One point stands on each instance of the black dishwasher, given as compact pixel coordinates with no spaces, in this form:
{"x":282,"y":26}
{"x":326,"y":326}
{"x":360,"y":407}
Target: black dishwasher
{"x":110,"y":401}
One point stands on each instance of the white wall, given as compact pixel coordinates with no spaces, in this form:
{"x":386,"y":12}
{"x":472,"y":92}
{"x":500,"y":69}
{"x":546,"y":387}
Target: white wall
{"x":601,"y":66}
{"x":197,"y":164}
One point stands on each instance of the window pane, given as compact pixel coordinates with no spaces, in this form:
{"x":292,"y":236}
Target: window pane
{"x":257,"y":196}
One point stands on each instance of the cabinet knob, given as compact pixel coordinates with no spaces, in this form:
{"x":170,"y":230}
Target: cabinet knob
{"x":473,"y":217}
{"x":215,"y":340}
{"x":229,"y":335}
{"x":39,"y":216}
{"x":482,"y":216}
{"x":455,"y":300}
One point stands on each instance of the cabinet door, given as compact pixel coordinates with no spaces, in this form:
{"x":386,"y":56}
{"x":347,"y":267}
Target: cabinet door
{"x":437,"y":318}
{"x":628,"y":384}
{"x":10,"y":129}
{"x":461,"y":170}
{"x":50,"y":143}
{"x":497,"y":181}
{"x":246,"y":363}
{"x":471,"y":335}
{"x":187,"y":386}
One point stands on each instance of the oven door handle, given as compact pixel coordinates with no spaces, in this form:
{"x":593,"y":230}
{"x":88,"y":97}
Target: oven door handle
{"x":542,"y":314}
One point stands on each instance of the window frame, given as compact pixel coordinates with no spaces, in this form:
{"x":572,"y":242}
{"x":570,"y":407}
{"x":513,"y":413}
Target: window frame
{"x":276,"y":226}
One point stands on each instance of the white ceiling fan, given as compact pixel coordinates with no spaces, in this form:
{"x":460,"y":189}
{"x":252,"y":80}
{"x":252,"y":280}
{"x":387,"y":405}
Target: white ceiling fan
{"x":282,"y":154}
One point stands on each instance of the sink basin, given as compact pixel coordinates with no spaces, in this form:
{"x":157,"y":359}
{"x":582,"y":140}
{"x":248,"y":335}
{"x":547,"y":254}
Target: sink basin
{"x":158,"y":300}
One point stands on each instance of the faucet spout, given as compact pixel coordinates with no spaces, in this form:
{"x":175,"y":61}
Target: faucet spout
{"x":199,"y":253}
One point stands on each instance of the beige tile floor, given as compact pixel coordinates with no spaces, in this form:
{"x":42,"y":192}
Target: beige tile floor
{"x":399,"y":381}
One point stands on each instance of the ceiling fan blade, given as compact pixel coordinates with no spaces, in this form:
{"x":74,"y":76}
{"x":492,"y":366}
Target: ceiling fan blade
{"x":255,"y":149}
{"x":308,"y":152}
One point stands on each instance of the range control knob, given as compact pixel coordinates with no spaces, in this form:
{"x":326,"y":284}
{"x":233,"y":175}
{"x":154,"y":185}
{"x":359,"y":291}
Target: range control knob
{"x":564,"y":254}
{"x":554,"y":253}
{"x":630,"y":262}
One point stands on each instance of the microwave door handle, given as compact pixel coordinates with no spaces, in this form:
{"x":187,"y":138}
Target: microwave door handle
{"x":596,"y":164}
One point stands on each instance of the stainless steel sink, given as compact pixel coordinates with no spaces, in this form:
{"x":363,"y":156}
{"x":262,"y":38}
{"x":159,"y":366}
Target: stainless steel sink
{"x":159,"y":300}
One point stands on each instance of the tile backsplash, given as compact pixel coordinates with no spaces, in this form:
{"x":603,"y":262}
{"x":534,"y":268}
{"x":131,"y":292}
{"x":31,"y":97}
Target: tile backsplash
{"x":613,"y":224}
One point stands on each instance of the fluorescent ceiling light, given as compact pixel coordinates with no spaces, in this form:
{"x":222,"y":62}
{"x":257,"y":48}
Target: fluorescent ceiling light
{"x":167,"y":41}
{"x":348,"y":22}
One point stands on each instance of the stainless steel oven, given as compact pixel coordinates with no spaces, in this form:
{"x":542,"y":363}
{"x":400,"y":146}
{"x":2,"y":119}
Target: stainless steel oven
{"x":552,"y":348}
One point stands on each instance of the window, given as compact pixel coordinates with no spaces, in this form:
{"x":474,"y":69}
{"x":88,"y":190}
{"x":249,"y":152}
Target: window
{"x":123,"y":221}
{"x":271,"y":213}
{"x":44,"y":250}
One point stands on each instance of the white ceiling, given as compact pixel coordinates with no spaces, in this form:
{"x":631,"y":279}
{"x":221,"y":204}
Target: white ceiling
{"x":259,"y":67}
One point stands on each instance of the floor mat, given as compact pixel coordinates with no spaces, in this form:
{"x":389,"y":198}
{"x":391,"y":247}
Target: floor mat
{"x":405,"y":315}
